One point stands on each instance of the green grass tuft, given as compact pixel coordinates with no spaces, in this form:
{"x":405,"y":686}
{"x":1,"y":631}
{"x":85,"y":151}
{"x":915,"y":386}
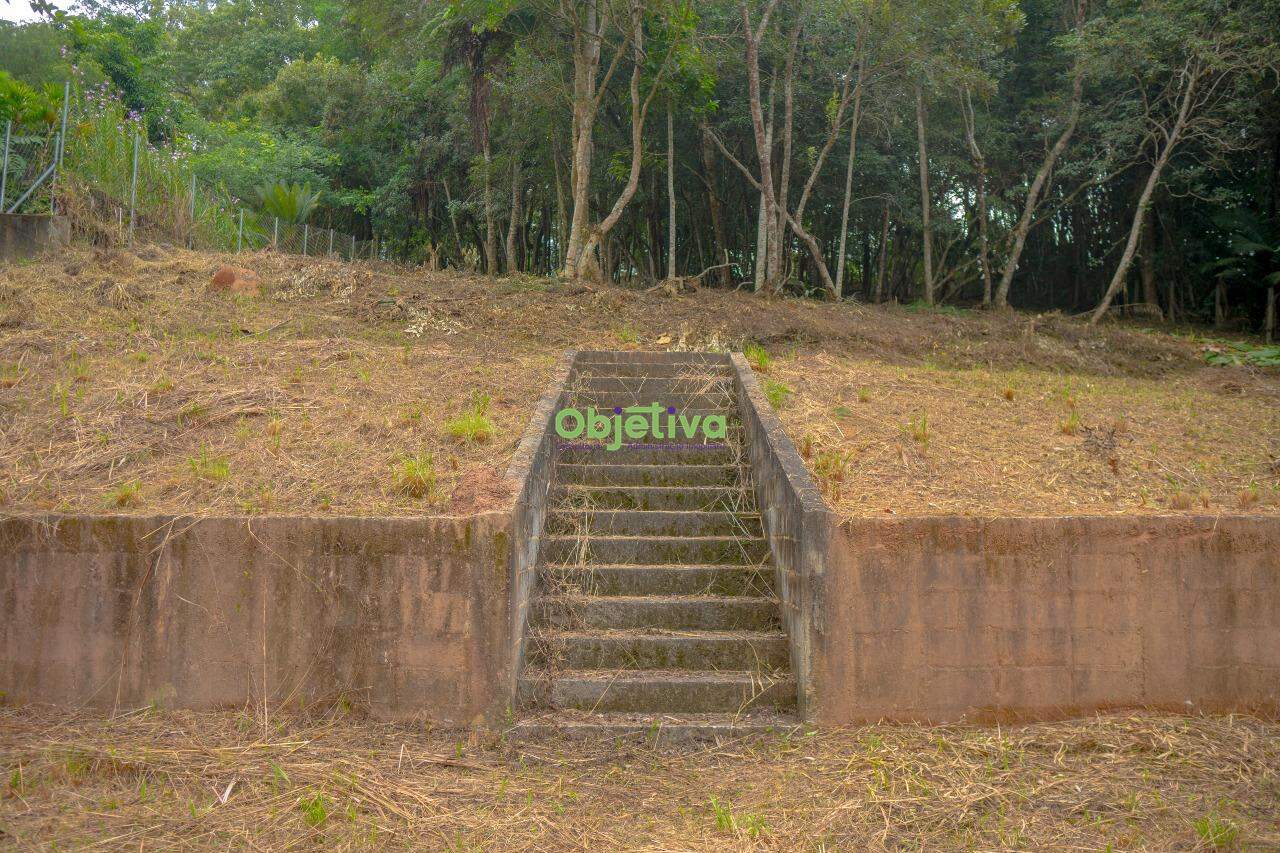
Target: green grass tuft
{"x":473,"y":425}
{"x":758,"y":357}
{"x":416,"y":476}
{"x":777,"y":393}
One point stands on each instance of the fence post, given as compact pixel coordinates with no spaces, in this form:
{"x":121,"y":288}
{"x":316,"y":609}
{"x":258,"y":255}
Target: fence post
{"x":306,"y":232}
{"x":60,"y":147}
{"x":330,"y":242}
{"x":133,"y":190}
{"x":240,"y":232}
{"x":275,"y":233}
{"x":353,"y":247}
{"x":4,"y":172}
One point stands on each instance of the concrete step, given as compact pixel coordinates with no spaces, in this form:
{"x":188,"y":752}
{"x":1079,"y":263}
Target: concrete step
{"x":657,"y":691}
{"x":571,"y":473}
{"x":653,"y":729}
{"x":673,"y":453}
{"x":576,"y":522}
{"x":639,"y":649}
{"x":671,"y":613}
{"x":707,"y":498}
{"x":604,"y":401}
{"x":591,"y":369}
{"x":649,"y":550}
{"x":682,"y":359}
{"x":655,"y":387}
{"x":637,"y":580}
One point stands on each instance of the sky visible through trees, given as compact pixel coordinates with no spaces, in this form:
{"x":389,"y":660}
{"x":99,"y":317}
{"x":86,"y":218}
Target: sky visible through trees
{"x":1083,"y":155}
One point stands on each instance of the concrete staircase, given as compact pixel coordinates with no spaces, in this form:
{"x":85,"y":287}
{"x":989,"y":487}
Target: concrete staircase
{"x":655,"y":604}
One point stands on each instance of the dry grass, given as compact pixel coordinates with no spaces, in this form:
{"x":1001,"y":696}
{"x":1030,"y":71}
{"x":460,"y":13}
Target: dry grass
{"x":179,"y":779}
{"x":1062,"y":443}
{"x":116,"y":368}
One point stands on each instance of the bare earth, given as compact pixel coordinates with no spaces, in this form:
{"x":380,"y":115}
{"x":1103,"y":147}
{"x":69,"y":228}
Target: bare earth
{"x":125,"y":387}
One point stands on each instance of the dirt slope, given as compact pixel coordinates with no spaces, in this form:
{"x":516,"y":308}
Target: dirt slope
{"x":125,"y":386}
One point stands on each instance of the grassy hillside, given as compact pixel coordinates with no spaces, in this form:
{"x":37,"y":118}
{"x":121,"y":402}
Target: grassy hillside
{"x":372,"y":389}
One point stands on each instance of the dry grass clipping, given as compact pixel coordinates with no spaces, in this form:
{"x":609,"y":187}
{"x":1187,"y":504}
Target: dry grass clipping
{"x":183,"y":779}
{"x":116,"y":367}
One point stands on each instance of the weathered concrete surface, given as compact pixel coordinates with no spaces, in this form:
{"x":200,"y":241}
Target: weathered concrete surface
{"x":797,"y":525}
{"x":24,"y":235}
{"x":937,"y":619}
{"x":408,"y":617}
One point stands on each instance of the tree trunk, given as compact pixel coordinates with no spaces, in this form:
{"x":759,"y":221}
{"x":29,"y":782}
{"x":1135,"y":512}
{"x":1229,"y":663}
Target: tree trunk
{"x":639,"y":110}
{"x":490,"y":229}
{"x":763,"y":146}
{"x":587,"y":38}
{"x":926,"y":230}
{"x":671,"y":195}
{"x":1042,"y":174}
{"x":517,"y":218}
{"x":762,"y":222}
{"x":713,"y":201}
{"x":1147,"y":268}
{"x":848,"y":171}
{"x":884,"y":254}
{"x":984,"y":244}
{"x":1269,"y":323}
{"x":1144,"y":201}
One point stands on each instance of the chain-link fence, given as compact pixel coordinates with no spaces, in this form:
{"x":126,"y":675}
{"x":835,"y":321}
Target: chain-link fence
{"x":29,"y":164}
{"x":118,"y":187}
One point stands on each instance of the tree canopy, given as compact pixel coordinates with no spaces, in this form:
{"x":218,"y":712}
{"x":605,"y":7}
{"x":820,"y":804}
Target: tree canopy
{"x":1082,"y":155}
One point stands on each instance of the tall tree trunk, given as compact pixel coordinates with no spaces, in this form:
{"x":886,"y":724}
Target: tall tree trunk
{"x":490,"y":229}
{"x":753,"y":35}
{"x":671,"y":195}
{"x":588,"y":34}
{"x":762,"y":222}
{"x":562,"y":212}
{"x":853,"y":152}
{"x":777,"y":255}
{"x":639,"y":110}
{"x":517,"y":218}
{"x":713,"y":201}
{"x":1269,"y":322}
{"x":1171,"y":139}
{"x":884,"y":254}
{"x":1042,"y":174}
{"x":926,"y":230}
{"x":1147,"y":267}
{"x":984,"y":246}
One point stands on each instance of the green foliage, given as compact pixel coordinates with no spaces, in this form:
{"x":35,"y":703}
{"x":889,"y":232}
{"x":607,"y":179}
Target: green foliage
{"x":1216,"y":832}
{"x":315,"y":809}
{"x":124,"y":495}
{"x":473,"y":425}
{"x":25,"y":105}
{"x":208,"y":467}
{"x":290,"y":203}
{"x":777,"y":393}
{"x":1240,"y":352}
{"x":416,"y":476}
{"x":758,"y":357}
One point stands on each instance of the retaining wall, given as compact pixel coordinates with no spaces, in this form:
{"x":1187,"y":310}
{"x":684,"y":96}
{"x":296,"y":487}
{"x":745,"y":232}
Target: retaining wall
{"x":408,"y":617}
{"x":938,"y":619}
{"x":24,"y":235}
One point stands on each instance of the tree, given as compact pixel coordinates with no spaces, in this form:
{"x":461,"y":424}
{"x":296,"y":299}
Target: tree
{"x":1193,"y":64}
